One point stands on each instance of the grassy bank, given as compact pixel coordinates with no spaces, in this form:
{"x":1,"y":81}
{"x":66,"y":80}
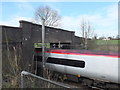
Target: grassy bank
{"x":109,"y":42}
{"x":104,"y":45}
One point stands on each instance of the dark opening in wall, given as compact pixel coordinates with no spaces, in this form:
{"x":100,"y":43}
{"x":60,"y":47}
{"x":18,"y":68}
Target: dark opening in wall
{"x":60,"y":45}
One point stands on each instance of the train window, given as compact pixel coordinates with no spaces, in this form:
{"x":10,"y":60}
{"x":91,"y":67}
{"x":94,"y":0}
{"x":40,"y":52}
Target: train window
{"x":53,"y":60}
{"x":68,"y":62}
{"x":79,"y":64}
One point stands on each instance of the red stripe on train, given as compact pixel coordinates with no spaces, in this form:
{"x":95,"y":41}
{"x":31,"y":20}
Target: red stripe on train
{"x":82,"y":54}
{"x":86,"y":54}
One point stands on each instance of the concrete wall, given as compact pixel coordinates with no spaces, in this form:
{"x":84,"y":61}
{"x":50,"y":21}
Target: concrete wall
{"x":12,"y":34}
{"x":32,"y":33}
{"x":0,"y":57}
{"x":52,"y":35}
{"x":29,"y":33}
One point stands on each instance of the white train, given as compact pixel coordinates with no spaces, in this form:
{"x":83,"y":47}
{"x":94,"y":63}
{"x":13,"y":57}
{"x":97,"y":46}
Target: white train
{"x":95,"y":65}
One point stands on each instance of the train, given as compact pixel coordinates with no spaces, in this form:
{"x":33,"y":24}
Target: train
{"x":96,"y":65}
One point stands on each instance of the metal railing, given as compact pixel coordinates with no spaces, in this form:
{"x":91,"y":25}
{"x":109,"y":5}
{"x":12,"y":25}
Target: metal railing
{"x":43,"y":83}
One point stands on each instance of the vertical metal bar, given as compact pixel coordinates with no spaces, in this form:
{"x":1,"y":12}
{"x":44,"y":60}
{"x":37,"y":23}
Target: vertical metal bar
{"x":22,"y":81}
{"x":59,"y":45}
{"x":43,"y":46}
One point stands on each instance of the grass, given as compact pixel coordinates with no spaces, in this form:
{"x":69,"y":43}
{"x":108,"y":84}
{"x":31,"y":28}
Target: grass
{"x":104,"y":45}
{"x":108,"y":42}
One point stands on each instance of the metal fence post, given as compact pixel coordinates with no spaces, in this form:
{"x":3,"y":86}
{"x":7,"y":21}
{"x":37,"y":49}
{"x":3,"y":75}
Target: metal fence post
{"x":43,"y":46}
{"x":22,"y":80}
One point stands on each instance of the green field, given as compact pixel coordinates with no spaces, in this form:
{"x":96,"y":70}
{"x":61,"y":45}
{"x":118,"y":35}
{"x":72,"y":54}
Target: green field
{"x":108,"y":42}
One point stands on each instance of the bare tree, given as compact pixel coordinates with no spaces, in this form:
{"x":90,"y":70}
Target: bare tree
{"x":83,"y":27}
{"x":87,"y":31}
{"x":95,"y":36}
{"x":50,"y":16}
{"x":86,"y":27}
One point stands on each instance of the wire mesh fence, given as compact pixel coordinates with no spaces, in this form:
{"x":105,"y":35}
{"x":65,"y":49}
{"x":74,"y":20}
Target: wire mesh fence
{"x":29,"y":80}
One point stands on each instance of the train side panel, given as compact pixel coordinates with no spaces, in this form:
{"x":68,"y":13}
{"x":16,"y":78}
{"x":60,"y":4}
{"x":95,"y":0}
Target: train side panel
{"x":96,"y":67}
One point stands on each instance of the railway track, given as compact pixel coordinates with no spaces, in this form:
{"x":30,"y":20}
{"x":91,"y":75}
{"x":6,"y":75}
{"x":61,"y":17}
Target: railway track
{"x":84,"y":86}
{"x":77,"y":84}
{"x":81,"y":86}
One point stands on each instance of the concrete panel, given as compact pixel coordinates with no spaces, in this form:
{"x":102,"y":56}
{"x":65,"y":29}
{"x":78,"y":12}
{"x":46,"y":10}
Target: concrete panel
{"x":12,"y":34}
{"x":0,"y":57}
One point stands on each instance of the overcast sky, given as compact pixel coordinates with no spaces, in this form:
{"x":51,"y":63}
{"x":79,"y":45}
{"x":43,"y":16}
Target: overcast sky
{"x":102,"y":15}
